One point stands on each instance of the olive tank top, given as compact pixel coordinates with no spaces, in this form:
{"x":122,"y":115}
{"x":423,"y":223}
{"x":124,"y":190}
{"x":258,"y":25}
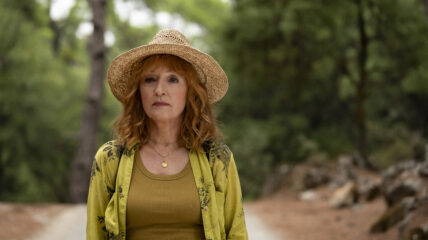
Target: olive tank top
{"x":163,"y":206}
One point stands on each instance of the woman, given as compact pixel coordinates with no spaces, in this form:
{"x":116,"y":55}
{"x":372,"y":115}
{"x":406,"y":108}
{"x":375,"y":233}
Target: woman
{"x":166,"y":176}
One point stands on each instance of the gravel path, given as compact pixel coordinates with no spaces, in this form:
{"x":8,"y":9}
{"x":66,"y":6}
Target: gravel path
{"x":68,"y":225}
{"x":257,"y":230}
{"x":71,"y":225}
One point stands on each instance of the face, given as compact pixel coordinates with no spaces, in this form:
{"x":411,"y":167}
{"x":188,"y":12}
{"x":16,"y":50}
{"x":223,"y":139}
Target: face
{"x":163,"y":93}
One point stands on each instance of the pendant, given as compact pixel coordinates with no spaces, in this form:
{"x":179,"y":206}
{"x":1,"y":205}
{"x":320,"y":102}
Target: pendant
{"x":164,"y":164}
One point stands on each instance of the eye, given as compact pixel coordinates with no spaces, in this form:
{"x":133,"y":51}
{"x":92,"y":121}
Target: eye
{"x":149,"y":79}
{"x":173,"y":79}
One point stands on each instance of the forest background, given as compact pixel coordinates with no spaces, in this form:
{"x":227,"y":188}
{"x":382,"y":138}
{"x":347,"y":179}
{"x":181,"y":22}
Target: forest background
{"x":307,"y":78}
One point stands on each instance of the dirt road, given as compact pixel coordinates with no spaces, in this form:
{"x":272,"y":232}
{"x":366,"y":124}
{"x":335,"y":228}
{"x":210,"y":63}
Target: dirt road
{"x":68,"y":225}
{"x":280,"y":217}
{"x":71,"y":222}
{"x":257,"y":229}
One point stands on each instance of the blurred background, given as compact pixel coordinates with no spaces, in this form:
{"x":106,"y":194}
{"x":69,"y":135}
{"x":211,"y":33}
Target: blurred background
{"x":324,"y":95}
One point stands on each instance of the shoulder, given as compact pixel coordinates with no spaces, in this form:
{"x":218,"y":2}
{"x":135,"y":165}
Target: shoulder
{"x":110,"y":150}
{"x":107,"y":161}
{"x":110,"y":153}
{"x":218,"y":152}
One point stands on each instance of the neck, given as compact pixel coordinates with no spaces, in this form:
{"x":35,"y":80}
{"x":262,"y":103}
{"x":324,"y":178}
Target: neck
{"x":165,"y":133}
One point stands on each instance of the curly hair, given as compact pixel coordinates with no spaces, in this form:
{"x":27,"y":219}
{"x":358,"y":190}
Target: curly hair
{"x":198,"y":125}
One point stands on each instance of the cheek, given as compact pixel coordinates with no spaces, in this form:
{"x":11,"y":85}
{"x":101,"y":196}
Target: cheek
{"x":179,"y":99}
{"x":183,"y":97}
{"x":146,"y":92}
{"x":144,"y":97}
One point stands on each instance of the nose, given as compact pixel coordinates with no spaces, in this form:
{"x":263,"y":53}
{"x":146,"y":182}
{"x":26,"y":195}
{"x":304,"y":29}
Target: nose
{"x":160,"y":88}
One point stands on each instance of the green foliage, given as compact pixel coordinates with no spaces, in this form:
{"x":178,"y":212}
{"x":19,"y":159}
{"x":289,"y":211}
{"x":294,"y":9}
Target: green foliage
{"x":207,"y":13}
{"x":249,"y":142}
{"x":126,"y":35}
{"x":295,"y":65}
{"x":292,"y":68}
{"x":38,"y":109}
{"x":396,"y":144}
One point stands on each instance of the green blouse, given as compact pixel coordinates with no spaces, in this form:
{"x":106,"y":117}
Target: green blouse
{"x":216,"y":180}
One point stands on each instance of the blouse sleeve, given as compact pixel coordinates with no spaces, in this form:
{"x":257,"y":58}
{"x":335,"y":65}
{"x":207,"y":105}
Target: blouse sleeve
{"x":234,"y":214}
{"x":98,"y":198}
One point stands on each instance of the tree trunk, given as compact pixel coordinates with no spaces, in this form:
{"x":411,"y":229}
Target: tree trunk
{"x":57,"y":33}
{"x":80,"y":171}
{"x":362,"y":89}
{"x":426,"y":8}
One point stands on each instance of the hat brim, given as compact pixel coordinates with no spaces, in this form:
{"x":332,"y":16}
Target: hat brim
{"x":209,"y":71}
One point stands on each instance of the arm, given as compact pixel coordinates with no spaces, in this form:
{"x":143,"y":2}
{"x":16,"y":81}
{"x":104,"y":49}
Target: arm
{"x":233,"y":210}
{"x":98,"y":198}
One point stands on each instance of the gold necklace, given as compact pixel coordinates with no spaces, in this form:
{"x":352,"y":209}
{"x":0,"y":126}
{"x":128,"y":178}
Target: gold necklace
{"x":164,"y":164}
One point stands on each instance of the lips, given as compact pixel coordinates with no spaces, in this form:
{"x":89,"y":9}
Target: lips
{"x":160,"y":104}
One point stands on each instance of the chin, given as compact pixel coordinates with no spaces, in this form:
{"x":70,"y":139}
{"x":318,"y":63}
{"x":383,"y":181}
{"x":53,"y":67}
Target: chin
{"x":162,"y":118}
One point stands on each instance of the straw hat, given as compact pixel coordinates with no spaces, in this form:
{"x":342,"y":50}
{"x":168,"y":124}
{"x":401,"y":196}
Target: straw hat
{"x":168,"y":42}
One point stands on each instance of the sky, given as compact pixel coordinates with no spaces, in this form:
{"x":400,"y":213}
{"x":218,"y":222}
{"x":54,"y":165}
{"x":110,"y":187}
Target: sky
{"x":137,"y":14}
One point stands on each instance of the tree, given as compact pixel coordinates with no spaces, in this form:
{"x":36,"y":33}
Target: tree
{"x":327,"y":77}
{"x":38,"y":107}
{"x":361,"y":86}
{"x":79,"y":177}
{"x":426,"y":8}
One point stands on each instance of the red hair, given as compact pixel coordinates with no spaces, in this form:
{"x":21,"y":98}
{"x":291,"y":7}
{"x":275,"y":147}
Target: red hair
{"x":198,"y":125}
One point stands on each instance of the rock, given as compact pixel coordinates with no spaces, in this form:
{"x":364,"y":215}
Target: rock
{"x":369,"y":188}
{"x":405,"y":191}
{"x":315,"y":177}
{"x":410,"y":203}
{"x":393,"y":171}
{"x":373,"y":191}
{"x":418,"y":233}
{"x":415,"y":225}
{"x":345,"y":166}
{"x":404,"y":180}
{"x":401,"y":189}
{"x":308,"y":195}
{"x":423,"y":169}
{"x":389,"y":218}
{"x":344,"y":171}
{"x":344,"y":196}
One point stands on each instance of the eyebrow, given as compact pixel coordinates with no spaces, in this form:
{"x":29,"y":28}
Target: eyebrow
{"x":166,"y":71}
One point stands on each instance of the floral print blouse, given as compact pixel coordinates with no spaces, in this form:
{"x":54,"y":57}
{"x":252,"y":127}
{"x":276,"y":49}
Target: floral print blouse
{"x":216,"y":180}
